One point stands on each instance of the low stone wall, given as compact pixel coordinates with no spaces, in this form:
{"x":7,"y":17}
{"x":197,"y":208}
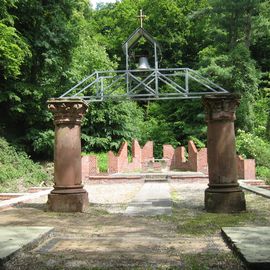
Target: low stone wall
{"x":140,"y":157}
{"x":173,"y":159}
{"x":107,"y":179}
{"x":196,"y":162}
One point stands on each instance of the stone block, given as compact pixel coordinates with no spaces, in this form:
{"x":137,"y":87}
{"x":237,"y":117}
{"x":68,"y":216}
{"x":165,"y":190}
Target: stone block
{"x":68,"y":202}
{"x":225,"y":202}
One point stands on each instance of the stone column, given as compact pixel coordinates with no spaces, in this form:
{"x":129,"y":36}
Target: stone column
{"x":224,"y":194}
{"x":68,"y":194}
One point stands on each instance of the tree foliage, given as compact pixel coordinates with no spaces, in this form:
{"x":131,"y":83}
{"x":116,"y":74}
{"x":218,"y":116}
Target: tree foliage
{"x":48,"y":46}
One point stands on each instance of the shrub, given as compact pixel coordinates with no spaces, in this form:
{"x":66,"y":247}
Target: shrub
{"x":17,"y":170}
{"x":263,"y":173}
{"x":252,"y":146}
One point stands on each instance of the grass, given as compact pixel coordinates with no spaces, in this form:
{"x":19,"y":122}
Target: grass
{"x":207,"y":261}
{"x":199,"y":223}
{"x":194,"y":221}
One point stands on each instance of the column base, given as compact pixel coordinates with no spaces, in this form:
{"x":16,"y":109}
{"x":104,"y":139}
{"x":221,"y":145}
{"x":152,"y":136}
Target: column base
{"x":68,"y":202}
{"x":224,"y":202}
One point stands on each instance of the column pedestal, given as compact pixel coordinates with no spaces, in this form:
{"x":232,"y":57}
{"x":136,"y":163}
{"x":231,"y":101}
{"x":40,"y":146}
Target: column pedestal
{"x":224,"y":194}
{"x":68,"y":194}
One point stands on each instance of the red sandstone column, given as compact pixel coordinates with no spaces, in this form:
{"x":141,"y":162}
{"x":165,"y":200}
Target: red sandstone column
{"x":68,"y":194}
{"x":224,"y":194}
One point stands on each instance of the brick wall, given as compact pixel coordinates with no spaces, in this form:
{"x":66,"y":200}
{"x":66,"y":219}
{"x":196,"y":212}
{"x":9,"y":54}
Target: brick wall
{"x":192,"y":156}
{"x":143,"y":159}
{"x":180,"y":161}
{"x":246,"y":168}
{"x":197,"y":160}
{"x":112,"y":162}
{"x":123,"y":157}
{"x":148,"y":152}
{"x":89,"y":166}
{"x":119,"y":163}
{"x":169,"y":155}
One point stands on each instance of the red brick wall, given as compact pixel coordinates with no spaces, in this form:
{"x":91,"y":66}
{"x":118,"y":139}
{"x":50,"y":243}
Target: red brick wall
{"x":192,"y":156}
{"x":119,"y":163}
{"x":136,"y":156}
{"x":148,"y":151}
{"x":175,"y":159}
{"x":246,"y":168}
{"x":112,"y":162}
{"x":169,"y":155}
{"x":197,"y":160}
{"x":123,"y":157}
{"x":180,"y":161}
{"x":202,"y":164}
{"x":89,"y":166}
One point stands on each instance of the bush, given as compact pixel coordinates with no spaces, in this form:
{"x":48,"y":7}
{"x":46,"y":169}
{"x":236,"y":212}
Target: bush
{"x":263,"y":173}
{"x":17,"y":170}
{"x":252,"y":146}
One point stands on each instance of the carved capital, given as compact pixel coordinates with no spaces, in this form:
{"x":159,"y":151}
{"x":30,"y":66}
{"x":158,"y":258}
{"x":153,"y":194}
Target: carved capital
{"x":68,"y":111}
{"x":221,"y":107}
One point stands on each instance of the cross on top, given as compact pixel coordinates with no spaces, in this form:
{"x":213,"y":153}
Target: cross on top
{"x":142,"y":17}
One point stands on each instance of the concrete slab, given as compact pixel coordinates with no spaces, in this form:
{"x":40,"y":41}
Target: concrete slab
{"x":153,"y":199}
{"x":13,"y":238}
{"x":260,"y":191}
{"x":251,"y":243}
{"x":24,"y":198}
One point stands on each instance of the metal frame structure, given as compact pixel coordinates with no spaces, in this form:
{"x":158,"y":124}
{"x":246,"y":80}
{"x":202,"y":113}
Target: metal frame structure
{"x":154,"y":84}
{"x":143,"y":84}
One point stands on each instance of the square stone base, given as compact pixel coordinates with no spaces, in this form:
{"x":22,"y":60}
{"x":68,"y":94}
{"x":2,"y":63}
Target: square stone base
{"x":74,"y":202}
{"x":224,"y":202}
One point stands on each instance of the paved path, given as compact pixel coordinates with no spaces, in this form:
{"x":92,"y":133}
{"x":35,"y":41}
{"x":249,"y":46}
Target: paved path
{"x":153,"y":199}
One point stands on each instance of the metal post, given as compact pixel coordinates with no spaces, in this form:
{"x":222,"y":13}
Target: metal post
{"x":156,"y":69}
{"x":186,"y":80}
{"x":97,"y":90}
{"x":127,"y":68}
{"x":102,"y":88}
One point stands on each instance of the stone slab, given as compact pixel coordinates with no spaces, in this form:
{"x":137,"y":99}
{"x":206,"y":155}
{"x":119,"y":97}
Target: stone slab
{"x":251,"y":243}
{"x":13,"y":238}
{"x":260,"y":191}
{"x":153,"y":199}
{"x":24,"y":198}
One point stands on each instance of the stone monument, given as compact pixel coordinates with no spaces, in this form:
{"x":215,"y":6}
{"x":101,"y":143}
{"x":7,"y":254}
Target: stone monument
{"x":223,"y":194}
{"x":68,"y":194}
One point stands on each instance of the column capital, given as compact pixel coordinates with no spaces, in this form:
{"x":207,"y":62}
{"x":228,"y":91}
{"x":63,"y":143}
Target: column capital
{"x":221,"y":107}
{"x":68,"y":111}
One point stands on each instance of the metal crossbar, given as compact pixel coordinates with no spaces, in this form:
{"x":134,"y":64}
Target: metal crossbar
{"x":152,"y":84}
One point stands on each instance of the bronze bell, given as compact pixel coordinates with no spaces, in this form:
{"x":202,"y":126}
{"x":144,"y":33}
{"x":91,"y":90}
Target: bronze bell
{"x":143,"y":63}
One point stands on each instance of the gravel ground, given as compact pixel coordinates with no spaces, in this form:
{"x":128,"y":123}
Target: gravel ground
{"x":112,"y":197}
{"x":189,"y":194}
{"x":100,"y":239}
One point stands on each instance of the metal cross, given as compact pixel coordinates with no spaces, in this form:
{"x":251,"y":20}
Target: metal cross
{"x":141,"y":17}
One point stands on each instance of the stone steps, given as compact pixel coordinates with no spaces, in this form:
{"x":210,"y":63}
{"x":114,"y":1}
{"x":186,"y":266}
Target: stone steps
{"x":156,"y":178}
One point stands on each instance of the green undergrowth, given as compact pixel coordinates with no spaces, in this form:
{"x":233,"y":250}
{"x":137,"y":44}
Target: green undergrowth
{"x":17,"y":170}
{"x":263,"y":173}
